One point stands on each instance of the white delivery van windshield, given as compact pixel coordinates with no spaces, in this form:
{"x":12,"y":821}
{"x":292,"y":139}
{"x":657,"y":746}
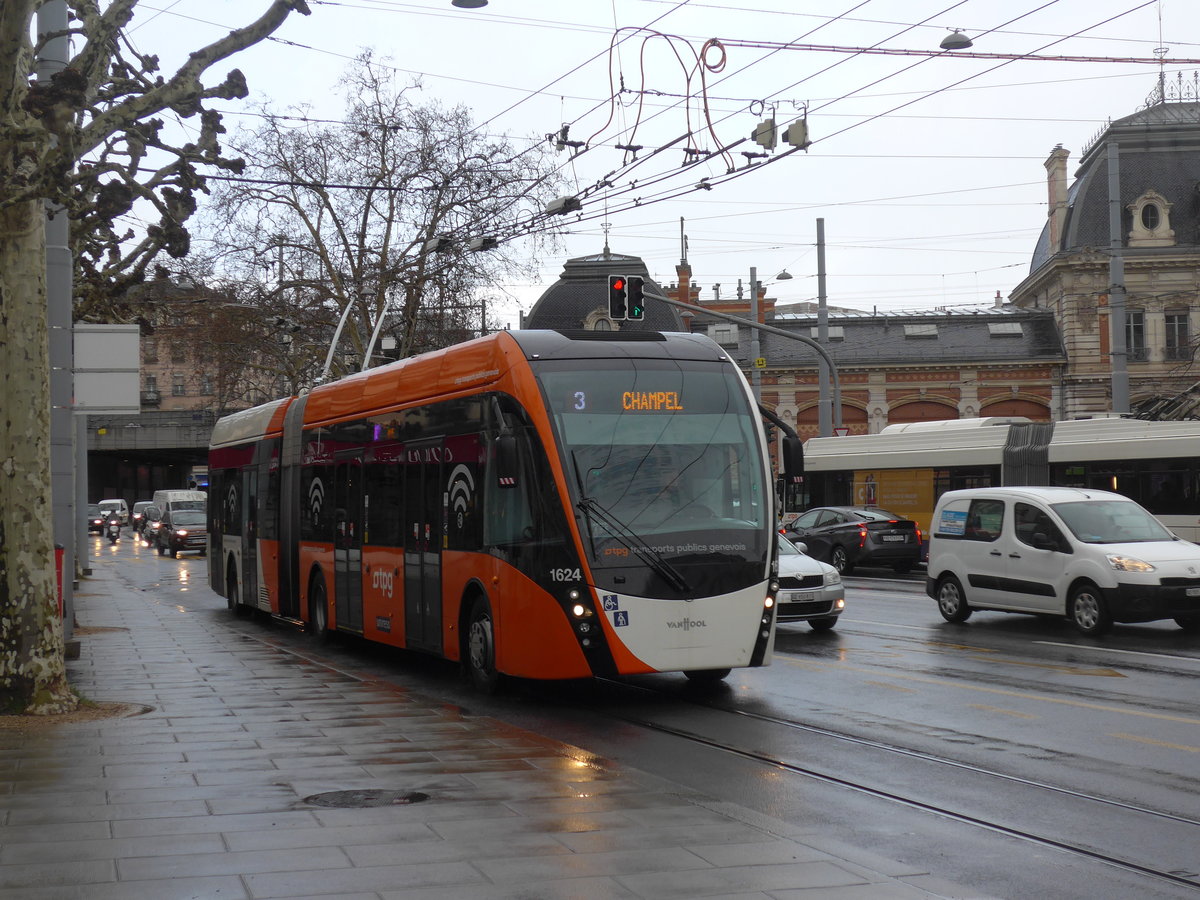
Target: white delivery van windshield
{"x":1111,"y":522}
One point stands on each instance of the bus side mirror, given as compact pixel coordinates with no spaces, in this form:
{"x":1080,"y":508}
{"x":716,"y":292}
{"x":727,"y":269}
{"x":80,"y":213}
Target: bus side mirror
{"x":506,"y":460}
{"x":793,"y":459}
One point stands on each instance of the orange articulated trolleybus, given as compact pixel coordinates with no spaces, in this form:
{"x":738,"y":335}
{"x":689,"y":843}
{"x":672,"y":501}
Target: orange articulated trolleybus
{"x":540,"y":504}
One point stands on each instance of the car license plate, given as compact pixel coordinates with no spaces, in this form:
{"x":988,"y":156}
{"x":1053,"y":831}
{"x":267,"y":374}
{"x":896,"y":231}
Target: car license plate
{"x":797,"y":596}
{"x":1193,"y":592}
{"x":893,"y":537}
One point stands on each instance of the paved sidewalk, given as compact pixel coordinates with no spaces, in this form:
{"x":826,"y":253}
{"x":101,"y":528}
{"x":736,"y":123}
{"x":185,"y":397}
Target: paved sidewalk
{"x":219,"y":790}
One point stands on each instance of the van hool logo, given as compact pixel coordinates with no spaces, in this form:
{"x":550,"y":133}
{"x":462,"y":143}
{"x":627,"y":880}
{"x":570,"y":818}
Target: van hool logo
{"x":231,"y":503}
{"x":460,"y":487}
{"x":316,"y":499}
{"x":687,"y":624}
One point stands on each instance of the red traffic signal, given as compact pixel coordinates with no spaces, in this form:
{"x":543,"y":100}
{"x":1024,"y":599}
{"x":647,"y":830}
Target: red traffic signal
{"x":618,"y":297}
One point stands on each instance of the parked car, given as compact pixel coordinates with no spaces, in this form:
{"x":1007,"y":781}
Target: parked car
{"x":183,"y":530}
{"x":809,"y":590}
{"x":95,"y":518}
{"x":139,"y":514}
{"x":849,"y":536}
{"x":1093,"y":556}
{"x":151,"y":523}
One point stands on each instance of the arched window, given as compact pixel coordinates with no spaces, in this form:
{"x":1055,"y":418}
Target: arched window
{"x":1151,"y":221}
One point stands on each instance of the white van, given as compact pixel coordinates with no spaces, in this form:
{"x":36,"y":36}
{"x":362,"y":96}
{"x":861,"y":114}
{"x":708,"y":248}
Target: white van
{"x":166,"y":501}
{"x":120,"y":507}
{"x":1093,"y":556}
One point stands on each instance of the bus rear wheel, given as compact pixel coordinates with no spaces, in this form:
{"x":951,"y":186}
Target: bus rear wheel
{"x":481,"y":647}
{"x":318,"y":608}
{"x":231,"y":587}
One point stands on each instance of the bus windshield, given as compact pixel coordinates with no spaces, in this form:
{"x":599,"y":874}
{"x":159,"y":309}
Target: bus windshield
{"x":663,"y":459}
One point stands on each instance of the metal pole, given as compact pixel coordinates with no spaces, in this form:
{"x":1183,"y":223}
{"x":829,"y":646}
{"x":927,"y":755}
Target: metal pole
{"x":824,"y":417}
{"x":53,"y":58}
{"x":755,"y":349}
{"x":83,"y":554}
{"x":1116,"y":289}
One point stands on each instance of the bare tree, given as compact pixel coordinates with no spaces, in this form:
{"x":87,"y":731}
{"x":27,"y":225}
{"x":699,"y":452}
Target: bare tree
{"x":371,"y":217}
{"x":82,"y":139}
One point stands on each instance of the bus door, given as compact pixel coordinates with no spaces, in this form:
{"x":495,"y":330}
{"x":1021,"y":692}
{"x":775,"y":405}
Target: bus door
{"x":347,"y":541}
{"x":423,"y":545}
{"x":249,"y":530}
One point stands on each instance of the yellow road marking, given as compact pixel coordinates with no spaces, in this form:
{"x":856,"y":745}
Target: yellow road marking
{"x":1146,"y":740}
{"x":1023,"y":695}
{"x":1003,"y":712}
{"x":892,"y":687}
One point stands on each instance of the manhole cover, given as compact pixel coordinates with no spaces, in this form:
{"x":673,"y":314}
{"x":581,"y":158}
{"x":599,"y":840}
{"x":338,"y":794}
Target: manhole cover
{"x":364,"y":799}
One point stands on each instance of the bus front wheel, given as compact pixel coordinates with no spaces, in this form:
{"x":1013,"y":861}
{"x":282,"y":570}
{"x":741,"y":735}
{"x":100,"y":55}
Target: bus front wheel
{"x":707,"y":676}
{"x":481,"y":647}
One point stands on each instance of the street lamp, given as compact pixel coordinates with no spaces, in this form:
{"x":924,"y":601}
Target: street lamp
{"x":955,"y":41}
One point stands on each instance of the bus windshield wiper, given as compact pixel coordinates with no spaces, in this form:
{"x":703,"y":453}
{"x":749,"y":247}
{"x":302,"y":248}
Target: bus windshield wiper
{"x":645,"y":552}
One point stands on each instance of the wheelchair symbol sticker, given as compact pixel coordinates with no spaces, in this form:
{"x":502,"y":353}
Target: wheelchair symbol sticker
{"x":610,"y":602}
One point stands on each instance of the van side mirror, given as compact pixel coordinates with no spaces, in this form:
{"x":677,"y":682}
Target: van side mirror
{"x":1043,"y":541}
{"x":506,"y":460}
{"x":792,"y":459}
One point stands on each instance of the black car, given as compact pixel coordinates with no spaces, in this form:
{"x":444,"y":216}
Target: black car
{"x":181,"y":530}
{"x":849,"y":536}
{"x":95,"y":518}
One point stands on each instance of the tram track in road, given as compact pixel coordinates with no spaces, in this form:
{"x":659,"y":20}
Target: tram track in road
{"x":1087,"y":808}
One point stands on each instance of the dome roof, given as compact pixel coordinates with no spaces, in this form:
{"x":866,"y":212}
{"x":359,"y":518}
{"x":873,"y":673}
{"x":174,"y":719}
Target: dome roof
{"x":581,"y":293}
{"x":1159,"y":152}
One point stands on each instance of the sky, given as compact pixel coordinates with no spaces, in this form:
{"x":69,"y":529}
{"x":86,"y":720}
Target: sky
{"x":927,"y":170}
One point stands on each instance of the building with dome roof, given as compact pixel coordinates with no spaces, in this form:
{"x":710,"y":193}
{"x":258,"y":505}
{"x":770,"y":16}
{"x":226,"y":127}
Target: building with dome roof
{"x":579,"y":299}
{"x":1158,"y":159}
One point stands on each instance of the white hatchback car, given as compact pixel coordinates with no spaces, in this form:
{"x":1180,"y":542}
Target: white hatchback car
{"x":1093,"y":556}
{"x":809,"y":590}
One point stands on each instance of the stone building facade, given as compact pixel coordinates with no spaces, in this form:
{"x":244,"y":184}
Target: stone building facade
{"x":1157,"y":154}
{"x":892,"y":367}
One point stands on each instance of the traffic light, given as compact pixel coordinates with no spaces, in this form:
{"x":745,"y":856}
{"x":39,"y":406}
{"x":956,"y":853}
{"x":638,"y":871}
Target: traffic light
{"x":636,"y":306}
{"x":618,"y":297}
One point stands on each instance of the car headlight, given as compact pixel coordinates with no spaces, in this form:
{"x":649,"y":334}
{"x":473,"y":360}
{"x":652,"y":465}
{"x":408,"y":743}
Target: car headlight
{"x":182,"y":532}
{"x":833,"y":579}
{"x":1128,"y":563}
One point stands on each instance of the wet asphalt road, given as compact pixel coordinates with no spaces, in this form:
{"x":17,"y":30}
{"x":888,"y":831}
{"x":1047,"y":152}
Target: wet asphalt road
{"x":1017,"y":704}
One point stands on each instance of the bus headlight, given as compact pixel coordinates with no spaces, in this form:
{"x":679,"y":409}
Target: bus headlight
{"x":578,"y":609}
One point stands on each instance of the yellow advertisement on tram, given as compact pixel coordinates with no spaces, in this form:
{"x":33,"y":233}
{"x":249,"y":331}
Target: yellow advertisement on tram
{"x":905,"y":492}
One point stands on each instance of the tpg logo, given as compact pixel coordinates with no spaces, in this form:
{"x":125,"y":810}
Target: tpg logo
{"x":383,"y":580}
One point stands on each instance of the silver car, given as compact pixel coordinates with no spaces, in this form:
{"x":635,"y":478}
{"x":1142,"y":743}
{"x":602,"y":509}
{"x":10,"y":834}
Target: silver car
{"x":809,"y":590}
